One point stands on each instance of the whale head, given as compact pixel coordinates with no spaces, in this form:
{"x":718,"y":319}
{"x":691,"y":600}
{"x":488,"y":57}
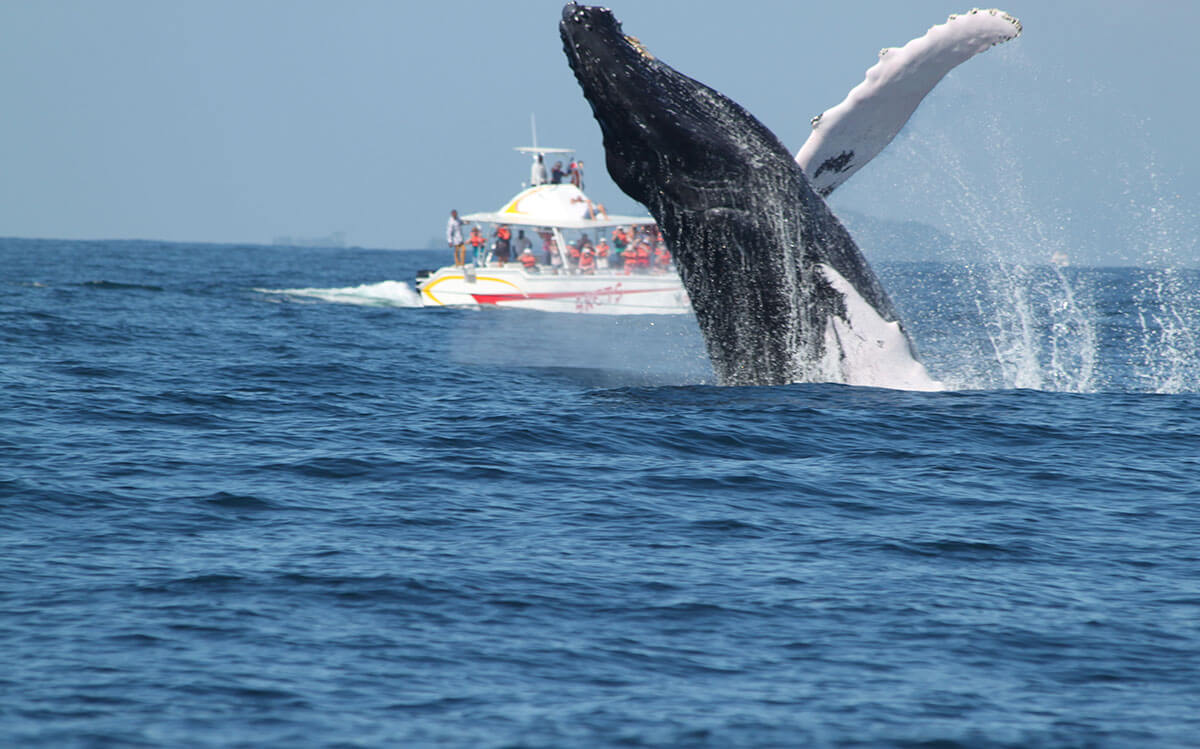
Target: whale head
{"x":665,"y":134}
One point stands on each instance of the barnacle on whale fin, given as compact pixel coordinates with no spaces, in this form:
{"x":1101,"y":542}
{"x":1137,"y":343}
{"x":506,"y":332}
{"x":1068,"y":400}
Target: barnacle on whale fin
{"x":641,"y":48}
{"x":1016,"y":22}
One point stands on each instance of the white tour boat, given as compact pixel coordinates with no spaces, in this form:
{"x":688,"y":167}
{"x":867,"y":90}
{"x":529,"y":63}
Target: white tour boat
{"x":552,"y":212}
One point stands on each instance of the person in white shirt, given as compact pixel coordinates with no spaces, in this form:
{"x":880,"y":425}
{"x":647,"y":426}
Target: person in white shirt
{"x":538,"y":174}
{"x":454,"y":237}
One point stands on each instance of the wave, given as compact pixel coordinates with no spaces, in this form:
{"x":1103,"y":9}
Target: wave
{"x":382,"y":294}
{"x":118,"y":285}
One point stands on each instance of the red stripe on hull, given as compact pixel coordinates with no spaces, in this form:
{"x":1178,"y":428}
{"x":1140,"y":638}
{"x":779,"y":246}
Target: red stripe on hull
{"x":592,"y":296}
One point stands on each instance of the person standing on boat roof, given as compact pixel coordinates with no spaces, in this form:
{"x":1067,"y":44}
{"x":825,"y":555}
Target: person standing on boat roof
{"x":454,"y":237}
{"x":556,"y":174}
{"x":538,"y":174}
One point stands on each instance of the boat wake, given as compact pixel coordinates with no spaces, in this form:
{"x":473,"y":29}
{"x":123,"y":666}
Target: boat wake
{"x":382,"y":294}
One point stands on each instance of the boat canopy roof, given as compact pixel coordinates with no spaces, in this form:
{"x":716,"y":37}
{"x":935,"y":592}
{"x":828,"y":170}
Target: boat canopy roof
{"x":555,"y":207}
{"x":538,"y":149}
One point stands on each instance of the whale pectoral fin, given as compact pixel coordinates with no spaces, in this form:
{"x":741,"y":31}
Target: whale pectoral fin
{"x":876,"y":110}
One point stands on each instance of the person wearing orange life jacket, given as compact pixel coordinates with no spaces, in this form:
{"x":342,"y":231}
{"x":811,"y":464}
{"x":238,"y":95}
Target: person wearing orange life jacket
{"x":502,"y":247}
{"x":528,"y":260}
{"x":587,"y":260}
{"x":642,"y":254}
{"x":477,"y":241}
{"x":602,"y":249}
{"x":573,"y":254}
{"x":662,"y":258}
{"x":629,"y":258}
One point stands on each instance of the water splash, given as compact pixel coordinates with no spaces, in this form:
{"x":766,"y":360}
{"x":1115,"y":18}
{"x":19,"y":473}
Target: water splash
{"x":1165,"y":339}
{"x":382,"y":294}
{"x":1037,"y":318}
{"x":1167,"y":354}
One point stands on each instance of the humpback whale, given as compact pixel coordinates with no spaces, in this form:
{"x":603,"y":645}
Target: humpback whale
{"x":780,"y":290}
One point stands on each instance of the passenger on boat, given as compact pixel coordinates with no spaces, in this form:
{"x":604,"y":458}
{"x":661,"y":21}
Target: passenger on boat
{"x":629,"y":258}
{"x":602,"y":250}
{"x":587,"y":260}
{"x":662,"y":258}
{"x":528,"y":261}
{"x":522,"y":243}
{"x":574,"y":251}
{"x":556,"y":174}
{"x":502,"y":247}
{"x":642,"y":255}
{"x":575,"y":173}
{"x":537,"y":175}
{"x":454,"y":237}
{"x":477,"y":242}
{"x":620,"y":240}
{"x":548,"y":249}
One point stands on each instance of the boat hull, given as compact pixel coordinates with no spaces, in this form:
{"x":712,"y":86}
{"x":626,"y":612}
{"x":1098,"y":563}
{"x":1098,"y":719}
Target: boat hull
{"x":511,"y":286}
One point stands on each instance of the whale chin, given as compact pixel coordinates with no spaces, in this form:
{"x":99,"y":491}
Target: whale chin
{"x":777,"y":284}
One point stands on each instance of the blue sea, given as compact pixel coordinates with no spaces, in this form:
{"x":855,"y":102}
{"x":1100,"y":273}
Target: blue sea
{"x":254,"y":496}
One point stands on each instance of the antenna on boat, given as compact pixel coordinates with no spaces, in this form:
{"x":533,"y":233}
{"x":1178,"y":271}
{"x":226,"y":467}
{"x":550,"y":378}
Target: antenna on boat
{"x":535,"y":148}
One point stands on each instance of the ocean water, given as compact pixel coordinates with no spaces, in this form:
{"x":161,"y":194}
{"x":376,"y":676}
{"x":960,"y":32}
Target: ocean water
{"x":253,"y":496}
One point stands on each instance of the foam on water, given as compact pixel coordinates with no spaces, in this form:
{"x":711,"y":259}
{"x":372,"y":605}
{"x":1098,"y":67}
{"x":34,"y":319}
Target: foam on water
{"x":382,"y":294}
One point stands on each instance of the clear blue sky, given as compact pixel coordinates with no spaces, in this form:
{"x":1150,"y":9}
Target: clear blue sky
{"x":237,"y":121}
